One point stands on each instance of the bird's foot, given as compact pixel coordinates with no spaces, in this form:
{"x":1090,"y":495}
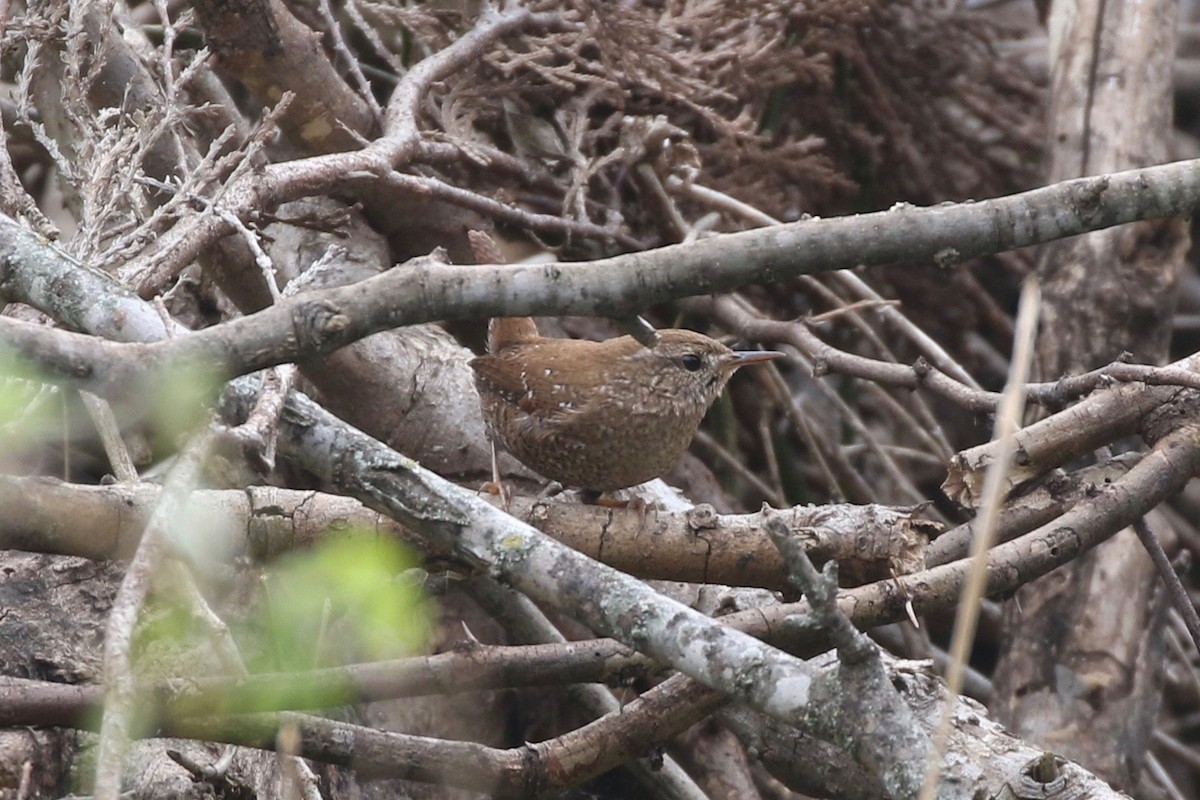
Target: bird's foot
{"x":500,"y":490}
{"x":638,"y":504}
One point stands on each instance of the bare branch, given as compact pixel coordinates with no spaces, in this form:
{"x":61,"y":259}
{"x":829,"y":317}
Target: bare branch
{"x":120,"y":691}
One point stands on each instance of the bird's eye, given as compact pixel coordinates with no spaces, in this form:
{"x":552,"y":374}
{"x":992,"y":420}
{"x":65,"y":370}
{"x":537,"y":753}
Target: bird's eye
{"x":691,"y":362}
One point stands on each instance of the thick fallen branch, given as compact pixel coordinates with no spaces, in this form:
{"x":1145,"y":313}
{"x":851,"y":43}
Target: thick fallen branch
{"x":629,"y":283}
{"x":469,"y":669}
{"x":988,"y":756}
{"x":698,"y":546}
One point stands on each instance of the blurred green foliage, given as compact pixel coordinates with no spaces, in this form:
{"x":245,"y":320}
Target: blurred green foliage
{"x":351,"y":599}
{"x":178,"y":402}
{"x":29,"y":409}
{"x":349,"y":596}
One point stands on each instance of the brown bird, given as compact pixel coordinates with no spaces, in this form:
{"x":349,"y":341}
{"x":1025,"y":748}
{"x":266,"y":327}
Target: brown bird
{"x":600,"y":416}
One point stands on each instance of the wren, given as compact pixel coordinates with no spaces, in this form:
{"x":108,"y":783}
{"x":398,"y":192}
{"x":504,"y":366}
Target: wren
{"x":600,"y":416}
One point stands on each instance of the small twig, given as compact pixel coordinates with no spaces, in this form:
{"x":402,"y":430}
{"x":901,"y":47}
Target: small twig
{"x":740,"y":468}
{"x":526,"y":622}
{"x":923,"y":341}
{"x":905,"y":423}
{"x":649,"y":177}
{"x":1163,"y":778}
{"x":431,"y":187}
{"x":860,"y":305}
{"x":287,"y":745}
{"x":402,"y":133}
{"x":152,"y":270}
{"x":263,"y":261}
{"x":203,"y":772}
{"x":637,"y":327}
{"x":119,"y":686}
{"x":1007,"y":421}
{"x":934,"y":351}
{"x":13,"y":197}
{"x":351,"y":63}
{"x":821,"y":590}
{"x":109,"y":429}
{"x":26,"y":784}
{"x":894,"y":741}
{"x":771,"y":457}
{"x":258,"y":435}
{"x":932,"y":428}
{"x":179,"y":581}
{"x":370,"y":33}
{"x":800,"y":423}
{"x":1175,"y":590}
{"x":1177,"y":749}
{"x":164,"y":314}
{"x":298,"y":781}
{"x":736,"y":307}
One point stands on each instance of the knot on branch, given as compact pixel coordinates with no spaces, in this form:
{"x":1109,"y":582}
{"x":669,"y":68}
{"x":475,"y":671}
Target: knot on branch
{"x":1177,"y":412}
{"x":1087,"y":198}
{"x":318,"y":326}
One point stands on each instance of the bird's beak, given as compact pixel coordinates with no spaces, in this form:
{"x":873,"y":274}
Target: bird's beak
{"x":741,"y":358}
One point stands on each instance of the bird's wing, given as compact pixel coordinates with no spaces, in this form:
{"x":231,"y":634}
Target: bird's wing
{"x":498,"y":374}
{"x":539,"y":387}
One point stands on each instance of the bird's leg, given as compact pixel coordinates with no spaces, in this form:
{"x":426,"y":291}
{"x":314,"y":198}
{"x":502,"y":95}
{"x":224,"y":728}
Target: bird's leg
{"x":496,"y":484}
